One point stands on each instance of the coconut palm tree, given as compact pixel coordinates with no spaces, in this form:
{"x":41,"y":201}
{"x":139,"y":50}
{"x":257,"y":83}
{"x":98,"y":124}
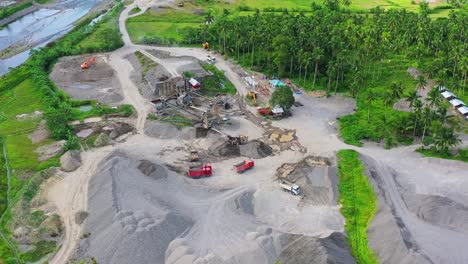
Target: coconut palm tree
{"x":421,"y":82}
{"x":412,"y":98}
{"x":370,"y":98}
{"x":433,"y":97}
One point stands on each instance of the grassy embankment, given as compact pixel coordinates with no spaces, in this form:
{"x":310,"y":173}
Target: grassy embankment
{"x":8,"y":11}
{"x":462,"y":154}
{"x":167,"y":27}
{"x":359,"y":204}
{"x":28,"y":89}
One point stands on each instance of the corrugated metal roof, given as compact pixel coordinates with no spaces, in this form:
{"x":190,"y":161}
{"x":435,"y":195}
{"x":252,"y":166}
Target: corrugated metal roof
{"x":456,"y":102}
{"x":463,"y":110}
{"x":447,"y":94}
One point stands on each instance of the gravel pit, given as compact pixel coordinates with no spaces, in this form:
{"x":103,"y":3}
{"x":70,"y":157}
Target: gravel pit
{"x":99,"y":82}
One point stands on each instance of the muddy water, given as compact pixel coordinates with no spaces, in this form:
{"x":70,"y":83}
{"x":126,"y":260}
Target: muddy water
{"x":39,"y":28}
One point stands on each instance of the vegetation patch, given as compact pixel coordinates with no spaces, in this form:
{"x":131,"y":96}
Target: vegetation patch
{"x":359,"y":204}
{"x":462,"y":154}
{"x":177,"y":120}
{"x":8,"y":11}
{"x":219,"y":84}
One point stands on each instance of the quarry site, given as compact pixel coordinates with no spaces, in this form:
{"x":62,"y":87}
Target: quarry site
{"x":173,"y":184}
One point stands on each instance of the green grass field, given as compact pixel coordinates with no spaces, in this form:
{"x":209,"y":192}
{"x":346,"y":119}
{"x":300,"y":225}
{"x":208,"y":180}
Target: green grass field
{"x":359,"y":204}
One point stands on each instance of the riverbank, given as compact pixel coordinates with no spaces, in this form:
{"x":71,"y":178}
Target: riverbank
{"x":17,"y":15}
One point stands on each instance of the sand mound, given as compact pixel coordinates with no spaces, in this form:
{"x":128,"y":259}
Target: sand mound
{"x":438,"y":210}
{"x":125,"y":212}
{"x":223,"y":149}
{"x":166,"y":131}
{"x":305,"y":249}
{"x":255,"y":150}
{"x":316,"y":178}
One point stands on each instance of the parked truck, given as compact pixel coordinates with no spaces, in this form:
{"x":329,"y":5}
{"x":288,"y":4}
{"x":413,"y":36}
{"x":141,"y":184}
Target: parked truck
{"x":243,"y":166}
{"x":290,"y":187}
{"x":204,"y":171}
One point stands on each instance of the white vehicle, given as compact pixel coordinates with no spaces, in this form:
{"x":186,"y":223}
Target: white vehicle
{"x":290,"y":187}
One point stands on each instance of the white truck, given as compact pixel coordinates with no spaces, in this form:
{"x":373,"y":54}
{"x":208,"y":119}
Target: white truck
{"x":290,"y":187}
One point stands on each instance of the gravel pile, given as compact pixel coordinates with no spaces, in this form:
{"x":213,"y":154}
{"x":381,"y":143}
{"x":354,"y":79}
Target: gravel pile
{"x":167,"y":131}
{"x":255,"y":150}
{"x":305,"y":249}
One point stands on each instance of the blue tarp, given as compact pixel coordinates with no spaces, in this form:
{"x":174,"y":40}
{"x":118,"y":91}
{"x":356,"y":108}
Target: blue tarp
{"x":276,"y":83}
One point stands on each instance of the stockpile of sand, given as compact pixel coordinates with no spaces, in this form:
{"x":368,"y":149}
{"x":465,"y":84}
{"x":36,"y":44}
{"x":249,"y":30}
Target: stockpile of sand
{"x":128,"y":222}
{"x":438,"y":210}
{"x":305,"y":249}
{"x":316,"y":178}
{"x":167,"y":131}
{"x":255,"y":149}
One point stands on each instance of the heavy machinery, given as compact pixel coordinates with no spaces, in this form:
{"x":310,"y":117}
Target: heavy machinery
{"x":243,"y":166}
{"x":181,"y":4}
{"x":194,"y":156}
{"x":206,"y":45}
{"x":253,"y":95}
{"x":290,"y":187}
{"x":88,"y":62}
{"x":204,"y":171}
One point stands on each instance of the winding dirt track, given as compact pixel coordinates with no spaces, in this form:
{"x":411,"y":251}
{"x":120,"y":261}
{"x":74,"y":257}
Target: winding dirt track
{"x":315,"y":131}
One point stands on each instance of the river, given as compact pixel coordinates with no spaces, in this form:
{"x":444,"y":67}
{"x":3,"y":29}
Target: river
{"x":39,"y":28}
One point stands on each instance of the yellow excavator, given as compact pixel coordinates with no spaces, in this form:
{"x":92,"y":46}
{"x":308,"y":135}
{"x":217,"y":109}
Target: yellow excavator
{"x":206,"y":46}
{"x":253,"y":95}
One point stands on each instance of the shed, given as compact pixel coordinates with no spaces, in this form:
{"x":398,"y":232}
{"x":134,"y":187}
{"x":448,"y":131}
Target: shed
{"x":463,"y":110}
{"x":456,"y":103}
{"x":276,"y":83}
{"x":448,"y":95}
{"x":194,"y":83}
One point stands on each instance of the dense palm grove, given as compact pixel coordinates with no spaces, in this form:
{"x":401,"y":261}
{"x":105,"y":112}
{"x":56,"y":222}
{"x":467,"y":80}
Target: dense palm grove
{"x":332,"y":49}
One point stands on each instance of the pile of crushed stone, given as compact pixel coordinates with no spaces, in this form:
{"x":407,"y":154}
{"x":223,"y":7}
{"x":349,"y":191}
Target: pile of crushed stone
{"x":167,"y":131}
{"x":254,"y":149}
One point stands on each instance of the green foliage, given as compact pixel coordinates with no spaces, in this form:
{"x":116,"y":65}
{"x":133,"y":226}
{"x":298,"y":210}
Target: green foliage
{"x":188,"y":74}
{"x":282,"y":96}
{"x":179,"y":121}
{"x":433,"y":153}
{"x":41,"y":249}
{"x":106,"y":34}
{"x":217,"y":85}
{"x":359,"y":204}
{"x":8,"y":11}
{"x":36,"y":218}
{"x":72,"y":143}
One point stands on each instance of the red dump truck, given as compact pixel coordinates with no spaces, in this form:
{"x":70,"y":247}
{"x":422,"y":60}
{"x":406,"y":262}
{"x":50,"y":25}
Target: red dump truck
{"x":243,"y":166}
{"x":203,"y":171}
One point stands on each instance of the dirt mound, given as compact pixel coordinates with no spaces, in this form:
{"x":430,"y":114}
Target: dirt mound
{"x":255,"y":150}
{"x":99,"y":82}
{"x":152,"y":170}
{"x":70,"y":161}
{"x":438,"y":210}
{"x":224,"y":149}
{"x":48,"y":151}
{"x":316,"y":178}
{"x":305,"y":249}
{"x":166,"y":131}
{"x":125,"y":211}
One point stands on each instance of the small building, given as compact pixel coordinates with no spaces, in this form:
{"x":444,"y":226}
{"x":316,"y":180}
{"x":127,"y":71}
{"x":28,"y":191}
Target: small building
{"x":463,"y":110}
{"x":278,"y":111}
{"x":448,"y":95}
{"x":457,"y":103}
{"x":194,"y":83}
